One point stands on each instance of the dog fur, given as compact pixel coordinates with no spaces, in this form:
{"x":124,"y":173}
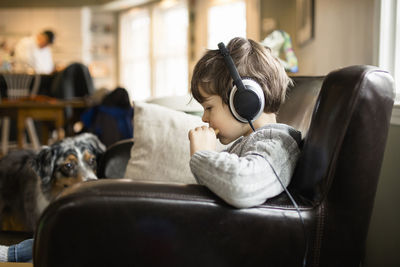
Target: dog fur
{"x":29,"y":181}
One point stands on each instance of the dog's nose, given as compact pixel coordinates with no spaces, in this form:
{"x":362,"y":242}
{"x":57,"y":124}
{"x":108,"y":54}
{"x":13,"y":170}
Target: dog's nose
{"x":88,"y":175}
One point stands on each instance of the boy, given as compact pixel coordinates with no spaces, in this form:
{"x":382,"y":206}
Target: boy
{"x":244,"y":175}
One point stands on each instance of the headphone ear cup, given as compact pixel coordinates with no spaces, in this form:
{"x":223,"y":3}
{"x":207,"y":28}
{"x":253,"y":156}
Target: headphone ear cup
{"x":247,"y":105}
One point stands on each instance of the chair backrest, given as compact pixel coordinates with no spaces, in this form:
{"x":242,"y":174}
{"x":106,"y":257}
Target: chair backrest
{"x":113,"y":162}
{"x":74,"y":81}
{"x":340,"y":163}
{"x":20,"y":85}
{"x":352,"y":113}
{"x":300,"y":100}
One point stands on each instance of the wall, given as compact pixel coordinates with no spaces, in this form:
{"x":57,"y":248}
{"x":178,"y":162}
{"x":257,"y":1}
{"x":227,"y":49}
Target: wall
{"x":343,"y":36}
{"x":283,"y":12}
{"x":343,"y":33}
{"x":66,"y":23}
{"x":383,"y":241}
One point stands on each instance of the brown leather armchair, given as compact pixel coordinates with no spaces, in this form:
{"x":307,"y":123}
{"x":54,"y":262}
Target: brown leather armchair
{"x":118,"y":222}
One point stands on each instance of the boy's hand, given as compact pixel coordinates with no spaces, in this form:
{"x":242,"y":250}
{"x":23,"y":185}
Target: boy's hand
{"x":202,"y":138}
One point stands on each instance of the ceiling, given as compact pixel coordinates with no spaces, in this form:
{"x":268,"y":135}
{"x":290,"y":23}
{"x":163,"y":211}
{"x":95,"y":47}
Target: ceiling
{"x":68,"y":3}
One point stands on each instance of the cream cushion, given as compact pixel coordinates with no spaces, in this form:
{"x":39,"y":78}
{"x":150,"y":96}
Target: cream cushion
{"x":185,"y":103}
{"x":161,"y":149}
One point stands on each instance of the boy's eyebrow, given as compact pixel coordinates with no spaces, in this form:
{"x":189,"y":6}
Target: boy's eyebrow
{"x":207,"y":99}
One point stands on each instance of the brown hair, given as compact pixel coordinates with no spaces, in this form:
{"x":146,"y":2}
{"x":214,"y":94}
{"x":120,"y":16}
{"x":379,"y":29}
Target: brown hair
{"x":253,"y":61}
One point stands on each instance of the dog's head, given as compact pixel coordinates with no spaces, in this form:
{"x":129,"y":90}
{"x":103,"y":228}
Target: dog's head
{"x":67,"y":162}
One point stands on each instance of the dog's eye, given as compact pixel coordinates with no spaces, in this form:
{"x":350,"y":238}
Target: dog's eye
{"x":68,"y":166}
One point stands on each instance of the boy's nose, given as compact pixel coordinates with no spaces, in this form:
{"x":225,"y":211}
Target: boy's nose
{"x":204,"y":118}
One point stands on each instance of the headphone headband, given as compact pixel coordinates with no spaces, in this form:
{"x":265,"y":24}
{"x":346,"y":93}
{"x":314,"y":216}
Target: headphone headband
{"x":246,"y":99}
{"x":237,"y":80}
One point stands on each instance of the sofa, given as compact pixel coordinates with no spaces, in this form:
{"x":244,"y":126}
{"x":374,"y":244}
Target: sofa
{"x":344,"y":118}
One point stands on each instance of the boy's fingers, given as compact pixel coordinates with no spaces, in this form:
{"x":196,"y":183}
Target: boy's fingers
{"x":202,"y":128}
{"x":190,"y":133}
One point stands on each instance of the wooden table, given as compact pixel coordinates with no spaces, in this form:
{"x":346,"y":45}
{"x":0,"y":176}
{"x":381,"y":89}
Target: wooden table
{"x":38,"y":108}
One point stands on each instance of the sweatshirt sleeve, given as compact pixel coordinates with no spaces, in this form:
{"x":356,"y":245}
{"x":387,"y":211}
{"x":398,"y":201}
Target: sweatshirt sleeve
{"x":248,"y":180}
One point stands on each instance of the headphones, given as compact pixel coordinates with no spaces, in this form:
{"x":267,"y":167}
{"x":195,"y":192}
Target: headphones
{"x":246,"y":98}
{"x":246,"y":102}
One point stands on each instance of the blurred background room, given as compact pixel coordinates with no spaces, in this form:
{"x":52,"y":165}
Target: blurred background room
{"x":149,"y":48}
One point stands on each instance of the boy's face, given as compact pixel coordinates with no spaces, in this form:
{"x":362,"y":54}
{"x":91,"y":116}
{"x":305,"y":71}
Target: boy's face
{"x":218,"y":115}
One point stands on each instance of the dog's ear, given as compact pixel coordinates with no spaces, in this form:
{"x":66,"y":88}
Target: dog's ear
{"x":43,"y":164}
{"x":95,"y":144}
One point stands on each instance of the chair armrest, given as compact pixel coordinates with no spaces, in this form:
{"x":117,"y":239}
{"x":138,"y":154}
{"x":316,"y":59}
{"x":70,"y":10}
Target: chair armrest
{"x":118,"y":222}
{"x":113,"y":163}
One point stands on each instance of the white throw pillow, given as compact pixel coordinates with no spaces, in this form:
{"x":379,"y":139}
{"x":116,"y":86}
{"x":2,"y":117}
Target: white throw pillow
{"x":185,"y":103}
{"x":161,"y":149}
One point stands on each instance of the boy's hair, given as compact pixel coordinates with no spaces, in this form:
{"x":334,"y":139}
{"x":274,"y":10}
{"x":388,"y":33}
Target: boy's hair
{"x":253,"y":61}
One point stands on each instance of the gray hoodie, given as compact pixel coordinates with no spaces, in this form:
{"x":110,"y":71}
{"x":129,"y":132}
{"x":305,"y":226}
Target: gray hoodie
{"x":242,"y":175}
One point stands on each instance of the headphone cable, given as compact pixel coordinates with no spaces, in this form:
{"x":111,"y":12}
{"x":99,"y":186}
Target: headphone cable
{"x":298,"y":211}
{"x":294,"y":204}
{"x":251,"y":125}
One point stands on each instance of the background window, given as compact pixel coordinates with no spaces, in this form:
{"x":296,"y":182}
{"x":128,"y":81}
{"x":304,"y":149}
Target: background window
{"x":154,"y":50}
{"x":134,"y":54}
{"x":397,"y":53}
{"x":389,"y":40}
{"x":170,"y":50}
{"x":226,"y":21}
